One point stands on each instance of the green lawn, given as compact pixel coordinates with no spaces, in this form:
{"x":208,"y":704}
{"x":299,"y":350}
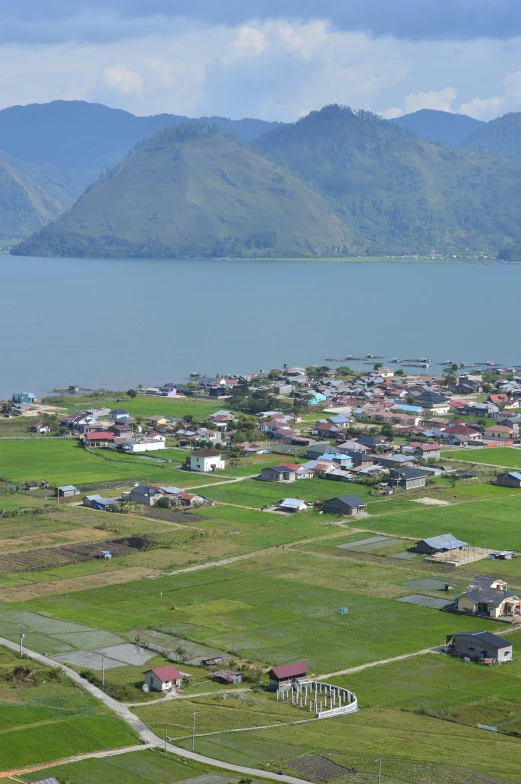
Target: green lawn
{"x":57,"y":718}
{"x":255,"y":493}
{"x":510,"y":457}
{"x":154,"y":405}
{"x":141,"y":767}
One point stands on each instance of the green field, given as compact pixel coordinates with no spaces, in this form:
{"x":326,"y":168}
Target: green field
{"x":57,"y":718}
{"x":255,"y":493}
{"x":252,"y":613}
{"x":155,"y":405}
{"x":510,"y":457}
{"x":141,"y":767}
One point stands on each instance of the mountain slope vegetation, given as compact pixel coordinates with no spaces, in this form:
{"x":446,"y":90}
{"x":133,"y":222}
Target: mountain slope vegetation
{"x":192,"y":191}
{"x":397,"y":194}
{"x":500,"y":137}
{"x":431,"y":125}
{"x":26,"y":203}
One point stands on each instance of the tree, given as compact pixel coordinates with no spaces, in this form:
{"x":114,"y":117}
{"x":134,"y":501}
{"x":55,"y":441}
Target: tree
{"x":399,"y":372}
{"x":450,"y":373}
{"x":132,"y":393}
{"x":377,"y":365}
{"x":410,"y":400}
{"x":387,"y":430}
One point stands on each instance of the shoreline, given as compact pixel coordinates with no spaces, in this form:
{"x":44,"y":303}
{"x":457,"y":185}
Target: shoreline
{"x":307,"y":259}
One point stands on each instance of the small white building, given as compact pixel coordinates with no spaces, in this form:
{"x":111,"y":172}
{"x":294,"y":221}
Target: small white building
{"x":133,"y":445}
{"x":163,"y":678}
{"x":206,"y":460}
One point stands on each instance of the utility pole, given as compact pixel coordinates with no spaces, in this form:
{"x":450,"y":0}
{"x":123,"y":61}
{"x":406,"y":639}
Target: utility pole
{"x":166,"y":736}
{"x":379,"y":760}
{"x":194,"y":714}
{"x":22,"y":635}
{"x":102,"y":669}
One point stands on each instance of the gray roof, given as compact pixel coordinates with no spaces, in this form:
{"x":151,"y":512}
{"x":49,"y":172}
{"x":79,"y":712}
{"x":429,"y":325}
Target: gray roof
{"x":410,"y":473}
{"x":480,"y":590}
{"x":486,"y":637}
{"x":444,"y":542}
{"x":291,"y":502}
{"x":67,"y":487}
{"x":280,"y":469}
{"x":350,"y":500}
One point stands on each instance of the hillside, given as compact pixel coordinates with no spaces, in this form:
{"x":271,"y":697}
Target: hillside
{"x":397,"y":194}
{"x":431,"y":125}
{"x":26,"y":203}
{"x":191,"y":191}
{"x":501,"y":137}
{"x":82,"y":139}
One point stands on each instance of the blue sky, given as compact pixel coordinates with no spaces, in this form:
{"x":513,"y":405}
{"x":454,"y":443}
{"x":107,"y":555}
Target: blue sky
{"x":274,"y":59}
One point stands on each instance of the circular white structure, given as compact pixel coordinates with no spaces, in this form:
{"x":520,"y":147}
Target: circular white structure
{"x":323,"y":699}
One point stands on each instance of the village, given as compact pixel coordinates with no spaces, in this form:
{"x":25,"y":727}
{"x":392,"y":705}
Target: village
{"x":234,"y":539}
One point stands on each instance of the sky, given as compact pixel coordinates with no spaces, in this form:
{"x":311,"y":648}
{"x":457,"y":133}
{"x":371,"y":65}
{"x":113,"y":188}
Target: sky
{"x":272,"y":59}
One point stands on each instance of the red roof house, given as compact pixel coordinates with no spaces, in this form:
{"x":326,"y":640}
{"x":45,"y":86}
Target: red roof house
{"x":163,"y":678}
{"x":287,"y":674}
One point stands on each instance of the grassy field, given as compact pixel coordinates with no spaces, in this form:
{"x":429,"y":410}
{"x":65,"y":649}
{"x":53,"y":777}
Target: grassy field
{"x":510,"y":457}
{"x":154,"y":405}
{"x":57,"y":718}
{"x":143,"y":767}
{"x":254,"y":493}
{"x":252,"y":613}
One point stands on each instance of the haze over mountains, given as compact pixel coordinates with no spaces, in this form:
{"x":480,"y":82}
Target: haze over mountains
{"x":335,"y":182}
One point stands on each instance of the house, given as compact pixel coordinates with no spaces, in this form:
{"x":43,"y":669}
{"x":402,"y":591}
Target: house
{"x":360,"y":459}
{"x":345,"y":505}
{"x":120,"y":416}
{"x":480,"y":645}
{"x":98,"y":440}
{"x":124,"y":431}
{"x":278,"y":473}
{"x":426,"y":451}
{"x":39,"y":427}
{"x":23,"y":398}
{"x":67,"y":491}
{"x":315,"y":398}
{"x":287,"y":674}
{"x":32,"y":485}
{"x":488,"y":596}
{"x":143,"y":444}
{"x":500,"y":431}
{"x":227,"y":676}
{"x":206,"y":460}
{"x":292,"y":505}
{"x":369,"y":442}
{"x":163,"y":678}
{"x":407,"y":478}
{"x":317,"y":450}
{"x":156,"y":421}
{"x":512,"y":479}
{"x":145,"y":494}
{"x":439,"y":544}
{"x":500,"y":400}
{"x":460,"y":429}
{"x":97,"y":502}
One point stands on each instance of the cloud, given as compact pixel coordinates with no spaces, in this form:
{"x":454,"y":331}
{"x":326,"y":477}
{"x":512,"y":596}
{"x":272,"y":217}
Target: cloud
{"x":58,"y":21}
{"x":122,"y":79}
{"x":487,"y":108}
{"x":435,"y":99}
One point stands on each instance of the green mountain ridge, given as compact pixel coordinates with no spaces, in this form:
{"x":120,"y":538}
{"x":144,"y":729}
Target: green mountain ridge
{"x":192,"y":191}
{"x":397,"y":194}
{"x":26,"y":200}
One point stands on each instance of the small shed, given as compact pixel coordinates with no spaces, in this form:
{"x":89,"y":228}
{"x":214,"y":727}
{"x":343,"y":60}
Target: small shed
{"x":67,"y":491}
{"x":512,"y":479}
{"x":228,"y":676}
{"x":287,"y":674}
{"x":163,"y":678}
{"x":31,"y":485}
{"x":292,"y":505}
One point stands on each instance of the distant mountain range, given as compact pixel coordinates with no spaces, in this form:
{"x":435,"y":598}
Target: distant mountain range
{"x":336,"y":182}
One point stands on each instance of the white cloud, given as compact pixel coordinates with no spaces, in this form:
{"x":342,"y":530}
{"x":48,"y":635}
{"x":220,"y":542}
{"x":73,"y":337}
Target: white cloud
{"x":392,"y":113}
{"x":487,"y":108}
{"x":435,"y":99}
{"x":122,"y":79}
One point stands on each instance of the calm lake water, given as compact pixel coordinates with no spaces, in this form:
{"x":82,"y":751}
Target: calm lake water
{"x":119,"y":322}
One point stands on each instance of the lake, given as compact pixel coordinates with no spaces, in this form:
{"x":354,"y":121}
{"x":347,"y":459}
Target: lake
{"x":120,"y":322}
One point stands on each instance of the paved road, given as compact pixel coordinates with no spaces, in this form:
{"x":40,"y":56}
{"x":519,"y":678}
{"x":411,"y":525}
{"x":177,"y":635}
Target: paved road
{"x":146,"y":735}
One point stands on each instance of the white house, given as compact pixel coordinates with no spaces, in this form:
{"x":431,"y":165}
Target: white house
{"x":206,"y":460}
{"x":163,"y":678}
{"x":145,"y":444}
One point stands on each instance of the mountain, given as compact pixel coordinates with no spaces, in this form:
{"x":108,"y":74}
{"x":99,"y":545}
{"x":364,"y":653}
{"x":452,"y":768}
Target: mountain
{"x":191,"y":191}
{"x":501,"y":137}
{"x":80,"y":139}
{"x":430,"y":125}
{"x":394,"y":193}
{"x":26,"y":203}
